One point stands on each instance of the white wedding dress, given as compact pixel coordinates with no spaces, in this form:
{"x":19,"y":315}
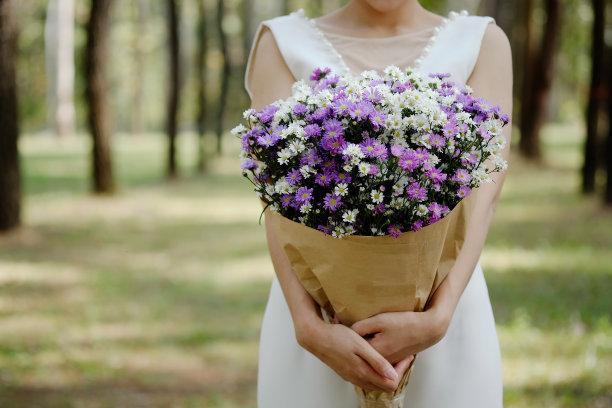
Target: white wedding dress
{"x":463,"y":370}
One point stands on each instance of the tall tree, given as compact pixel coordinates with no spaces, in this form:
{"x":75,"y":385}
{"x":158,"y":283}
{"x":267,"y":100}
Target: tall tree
{"x":140,"y":11}
{"x":225,"y":73}
{"x":10,"y":178}
{"x":248,"y":31}
{"x":286,"y":6}
{"x":537,"y":81}
{"x":59,"y":50}
{"x":201,"y":74}
{"x":596,"y":94}
{"x":173,"y":86}
{"x":608,"y":155}
{"x":96,"y":56}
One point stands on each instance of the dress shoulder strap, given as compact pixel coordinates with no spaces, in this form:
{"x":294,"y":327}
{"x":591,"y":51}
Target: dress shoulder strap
{"x":457,"y":47}
{"x":303,"y":47}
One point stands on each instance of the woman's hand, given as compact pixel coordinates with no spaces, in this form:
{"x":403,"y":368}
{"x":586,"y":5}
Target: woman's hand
{"x":351,"y":356}
{"x":398,"y":335}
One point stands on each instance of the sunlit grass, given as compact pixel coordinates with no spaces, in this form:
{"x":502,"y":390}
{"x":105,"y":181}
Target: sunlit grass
{"x":154,"y":297}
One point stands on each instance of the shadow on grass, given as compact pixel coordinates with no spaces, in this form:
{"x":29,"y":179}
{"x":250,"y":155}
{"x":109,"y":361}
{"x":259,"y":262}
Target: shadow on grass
{"x":580,"y":393}
{"x":132,"y":395}
{"x":551,"y":299}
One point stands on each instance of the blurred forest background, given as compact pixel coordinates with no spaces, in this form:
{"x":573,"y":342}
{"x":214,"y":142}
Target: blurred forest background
{"x":133,"y":272}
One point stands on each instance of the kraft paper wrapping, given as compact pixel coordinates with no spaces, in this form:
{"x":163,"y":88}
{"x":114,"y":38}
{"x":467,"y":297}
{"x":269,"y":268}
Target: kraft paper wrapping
{"x":356,"y":277}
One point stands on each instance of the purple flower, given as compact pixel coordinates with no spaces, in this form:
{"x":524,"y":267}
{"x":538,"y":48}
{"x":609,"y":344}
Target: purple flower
{"x":333,"y":144}
{"x":395,"y":230}
{"x":294,"y":177}
{"x":303,"y":195}
{"x":342,"y":178}
{"x":373,"y":170}
{"x":372,"y":95}
{"x":331,"y":81}
{"x":437,"y":141}
{"x":435,"y":211}
{"x":267,"y":114}
{"x":397,"y":150}
{"x":398,"y":87}
{"x":483,"y":133}
{"x":449,"y":130}
{"x":320,"y":114}
{"x":333,"y":128}
{"x":368,"y":146}
{"x":299,"y":109}
{"x":422,"y":155}
{"x":341,"y":106}
{"x":379,"y":208}
{"x":360,"y":110}
{"x":268,"y":139}
{"x":439,"y":75}
{"x":332,"y":202}
{"x":329,"y":165}
{"x":482,"y":106}
{"x":287,"y":200}
{"x":319,"y":74}
{"x":326,"y":229}
{"x":380,"y":151}
{"x":248,"y":164}
{"x":462,"y":176}
{"x":323,"y":179}
{"x":417,"y":225}
{"x":463,"y":191}
{"x":436,"y":175}
{"x":471,"y":160}
{"x":312,"y":130}
{"x":416,"y":192}
{"x":408,"y":161}
{"x":377,"y":119}
{"x":466,"y":100}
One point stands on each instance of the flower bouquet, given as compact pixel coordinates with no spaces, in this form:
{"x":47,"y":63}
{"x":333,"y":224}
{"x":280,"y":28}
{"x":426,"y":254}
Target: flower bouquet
{"x":368,"y":182}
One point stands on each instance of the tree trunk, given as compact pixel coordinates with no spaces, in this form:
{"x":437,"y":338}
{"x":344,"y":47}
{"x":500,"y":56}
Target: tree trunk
{"x":99,"y":119}
{"x":286,"y":6}
{"x":59,"y":50}
{"x":249,"y":27}
{"x":137,"y":121}
{"x":538,"y":85}
{"x":608,"y":164}
{"x":173,"y":89}
{"x":10,"y":178}
{"x":225,"y":74}
{"x":596,"y":94}
{"x":202,"y":73}
{"x":528,"y":65}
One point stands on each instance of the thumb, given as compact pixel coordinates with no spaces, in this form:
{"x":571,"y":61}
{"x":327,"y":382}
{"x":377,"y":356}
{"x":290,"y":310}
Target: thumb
{"x":370,"y":325}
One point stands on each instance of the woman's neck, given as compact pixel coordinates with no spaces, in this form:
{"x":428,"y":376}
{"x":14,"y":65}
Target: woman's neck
{"x":379,"y":18}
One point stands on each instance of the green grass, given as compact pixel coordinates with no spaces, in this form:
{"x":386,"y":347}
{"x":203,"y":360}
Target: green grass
{"x":154,"y":297}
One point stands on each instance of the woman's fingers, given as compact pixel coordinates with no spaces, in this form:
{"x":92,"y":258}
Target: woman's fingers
{"x":403,"y":366}
{"x":368,"y":326}
{"x":375,"y":360}
{"x":371,"y":380}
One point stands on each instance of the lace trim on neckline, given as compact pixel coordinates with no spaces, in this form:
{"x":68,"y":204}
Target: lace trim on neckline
{"x":453,"y":15}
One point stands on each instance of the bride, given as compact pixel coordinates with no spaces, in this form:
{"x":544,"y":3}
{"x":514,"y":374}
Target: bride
{"x":306,"y":362}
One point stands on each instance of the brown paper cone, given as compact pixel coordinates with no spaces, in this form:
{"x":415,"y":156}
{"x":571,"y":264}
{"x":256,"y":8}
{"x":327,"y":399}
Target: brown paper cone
{"x":357,"y":277}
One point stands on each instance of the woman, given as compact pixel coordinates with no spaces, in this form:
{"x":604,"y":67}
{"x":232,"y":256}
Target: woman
{"x":306,"y":362}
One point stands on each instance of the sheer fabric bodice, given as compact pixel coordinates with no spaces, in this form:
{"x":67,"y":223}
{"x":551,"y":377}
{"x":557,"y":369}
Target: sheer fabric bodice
{"x":452,"y":47}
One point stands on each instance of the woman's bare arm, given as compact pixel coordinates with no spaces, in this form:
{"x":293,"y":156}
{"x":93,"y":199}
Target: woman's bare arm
{"x":336,"y":345}
{"x":401,"y":334}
